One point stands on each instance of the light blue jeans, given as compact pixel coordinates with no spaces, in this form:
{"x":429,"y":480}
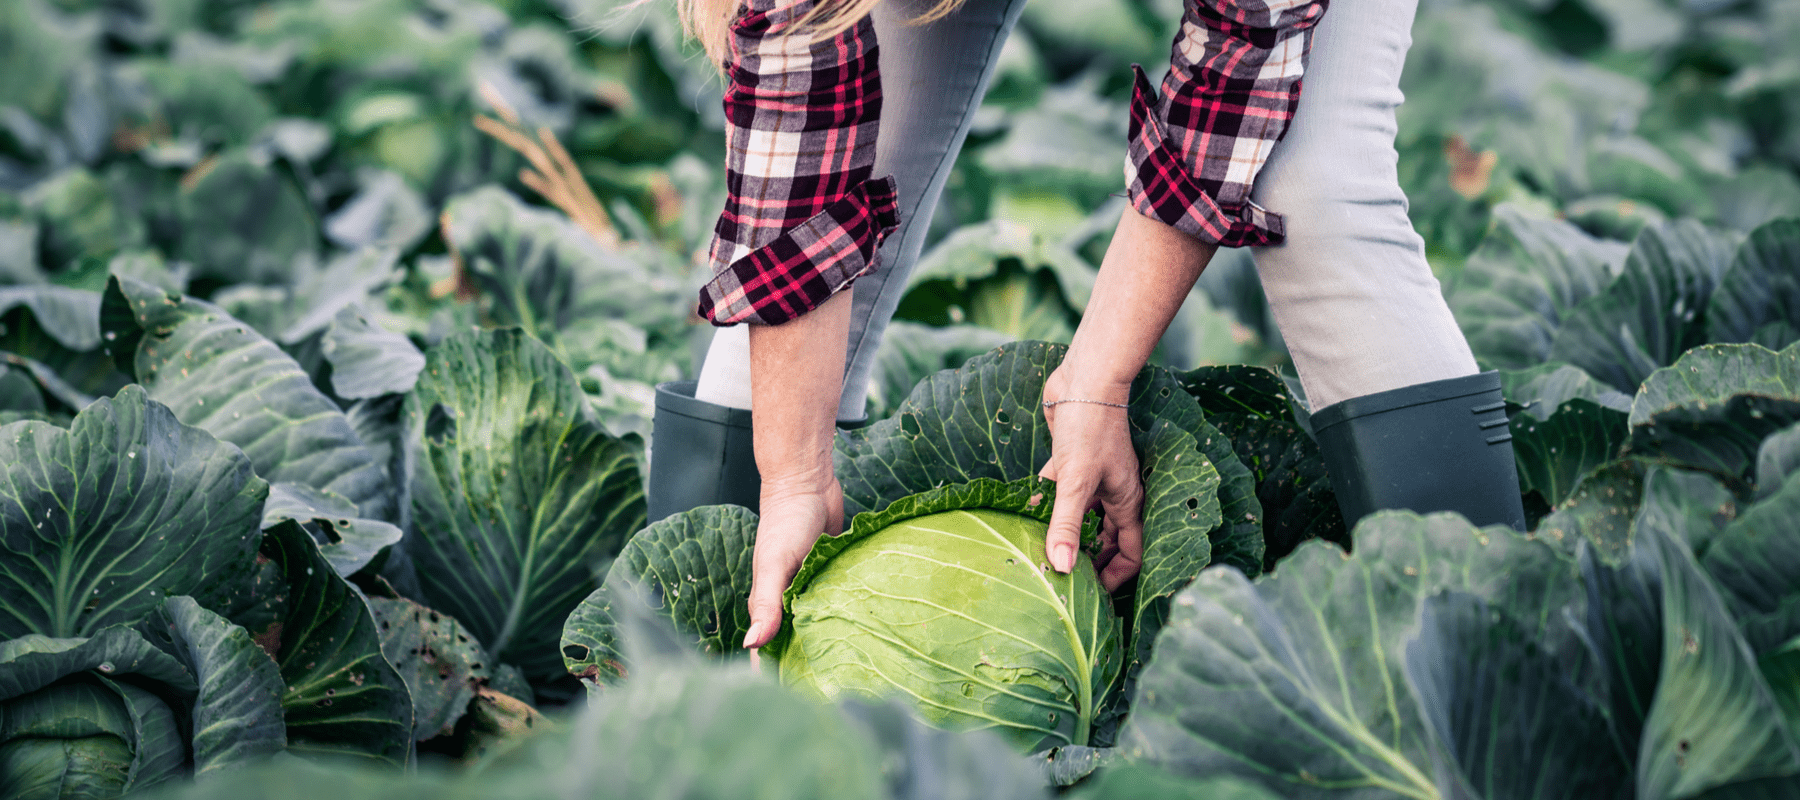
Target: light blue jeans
{"x":1355,"y":299}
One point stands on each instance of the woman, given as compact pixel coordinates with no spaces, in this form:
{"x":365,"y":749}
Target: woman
{"x":1405,"y":421}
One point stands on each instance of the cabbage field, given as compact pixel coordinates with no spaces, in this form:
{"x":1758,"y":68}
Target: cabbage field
{"x":328,"y":332}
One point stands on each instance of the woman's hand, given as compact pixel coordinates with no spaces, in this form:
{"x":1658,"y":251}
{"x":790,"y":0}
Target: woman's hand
{"x":1094,"y":466}
{"x":795,"y":510}
{"x":796,"y":376}
{"x":1148,"y":269}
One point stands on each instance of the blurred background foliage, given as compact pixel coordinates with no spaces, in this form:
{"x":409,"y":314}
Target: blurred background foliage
{"x":287,"y":159}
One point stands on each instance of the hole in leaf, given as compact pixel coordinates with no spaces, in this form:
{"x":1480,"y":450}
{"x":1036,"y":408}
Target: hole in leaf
{"x":909,"y":423}
{"x":575,"y":652}
{"x":440,"y":424}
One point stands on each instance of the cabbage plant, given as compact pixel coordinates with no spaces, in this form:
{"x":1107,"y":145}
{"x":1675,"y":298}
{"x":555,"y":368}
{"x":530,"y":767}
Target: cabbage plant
{"x":946,"y":597}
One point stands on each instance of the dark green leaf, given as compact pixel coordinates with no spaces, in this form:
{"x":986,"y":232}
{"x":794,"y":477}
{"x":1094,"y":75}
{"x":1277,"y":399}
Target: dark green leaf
{"x":1520,"y":286}
{"x":1653,"y":312}
{"x":1554,"y":454}
{"x":442,"y":663}
{"x":694,"y":567}
{"x":18,"y":392}
{"x":86,"y":373}
{"x":1506,"y":719}
{"x":1132,"y":781}
{"x":1543,"y":389}
{"x":1239,"y":389}
{"x":32,"y":661}
{"x":1599,"y":511}
{"x":1713,"y":408}
{"x":518,"y":494}
{"x":1292,"y":485}
{"x":1000,"y":276}
{"x":1761,"y":287}
{"x":1777,"y":460}
{"x":243,"y":222}
{"x":103,"y":521}
{"x":343,"y":698}
{"x":1624,"y":626}
{"x":385,"y":211}
{"x":1714,"y":720}
{"x":71,"y":316}
{"x":237,"y":716}
{"x":1756,"y":564}
{"x":1297,"y":681}
{"x":218,"y":374}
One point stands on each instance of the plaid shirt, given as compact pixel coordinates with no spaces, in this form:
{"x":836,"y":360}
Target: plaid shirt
{"x":1233,"y":84}
{"x":803,"y":218}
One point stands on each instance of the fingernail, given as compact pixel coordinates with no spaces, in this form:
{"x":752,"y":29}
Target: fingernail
{"x":750,"y":636}
{"x":1064,"y":558}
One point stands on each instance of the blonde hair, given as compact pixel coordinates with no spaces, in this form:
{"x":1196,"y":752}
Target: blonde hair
{"x":709,"y":21}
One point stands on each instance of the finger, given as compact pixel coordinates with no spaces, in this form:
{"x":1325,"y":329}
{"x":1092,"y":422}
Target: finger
{"x":1125,"y":564}
{"x":770,"y":575}
{"x":1065,"y":524}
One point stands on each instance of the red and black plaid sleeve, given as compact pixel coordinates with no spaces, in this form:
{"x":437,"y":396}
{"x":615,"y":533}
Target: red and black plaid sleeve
{"x":1233,"y":84}
{"x":803,"y":217}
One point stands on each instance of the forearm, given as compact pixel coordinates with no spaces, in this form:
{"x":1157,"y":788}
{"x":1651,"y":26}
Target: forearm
{"x":796,"y":376}
{"x":1145,"y":276}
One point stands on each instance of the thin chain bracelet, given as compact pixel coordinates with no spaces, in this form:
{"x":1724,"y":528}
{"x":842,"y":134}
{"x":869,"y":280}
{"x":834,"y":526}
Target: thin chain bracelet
{"x":1048,"y":404}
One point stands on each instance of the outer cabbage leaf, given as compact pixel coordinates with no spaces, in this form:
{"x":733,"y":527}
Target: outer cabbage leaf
{"x":911,"y":352}
{"x":1755,"y":561}
{"x":1001,"y":276}
{"x":237,"y":715}
{"x":68,"y":315}
{"x":1652,"y":312}
{"x":693,"y":567}
{"x":442,"y":664}
{"x":104,"y":521}
{"x":1544,"y":388}
{"x":946,"y":597}
{"x":1524,"y":281}
{"x":1299,"y":682}
{"x":343,"y":698}
{"x":95,"y":695}
{"x":1600,"y":511}
{"x":518,"y":493}
{"x":218,"y":374}
{"x":245,"y":222}
{"x":1490,"y":694}
{"x":1713,"y":408}
{"x":1761,"y":288}
{"x":1554,"y":454}
{"x":1714,"y":720}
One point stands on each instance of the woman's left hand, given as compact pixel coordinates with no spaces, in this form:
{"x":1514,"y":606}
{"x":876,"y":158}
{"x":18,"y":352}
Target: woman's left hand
{"x":1095,"y":467}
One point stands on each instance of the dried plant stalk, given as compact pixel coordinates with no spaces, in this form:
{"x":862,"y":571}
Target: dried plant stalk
{"x":552,"y":173}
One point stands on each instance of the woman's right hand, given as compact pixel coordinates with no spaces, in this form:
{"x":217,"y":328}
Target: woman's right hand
{"x":794,"y":512}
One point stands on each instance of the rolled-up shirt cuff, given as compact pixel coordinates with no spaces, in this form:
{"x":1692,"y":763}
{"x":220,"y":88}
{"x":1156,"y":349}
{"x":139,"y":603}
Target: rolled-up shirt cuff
{"x":1161,"y":187}
{"x":808,"y":263}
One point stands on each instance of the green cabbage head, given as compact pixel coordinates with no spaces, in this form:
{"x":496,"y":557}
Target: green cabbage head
{"x":946,"y":599}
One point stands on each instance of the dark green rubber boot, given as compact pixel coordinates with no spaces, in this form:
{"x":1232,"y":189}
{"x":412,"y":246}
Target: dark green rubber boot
{"x":1438,"y":446}
{"x":700,"y":454}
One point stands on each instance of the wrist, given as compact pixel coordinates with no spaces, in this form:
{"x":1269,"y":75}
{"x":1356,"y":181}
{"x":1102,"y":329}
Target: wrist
{"x":1079,"y":379}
